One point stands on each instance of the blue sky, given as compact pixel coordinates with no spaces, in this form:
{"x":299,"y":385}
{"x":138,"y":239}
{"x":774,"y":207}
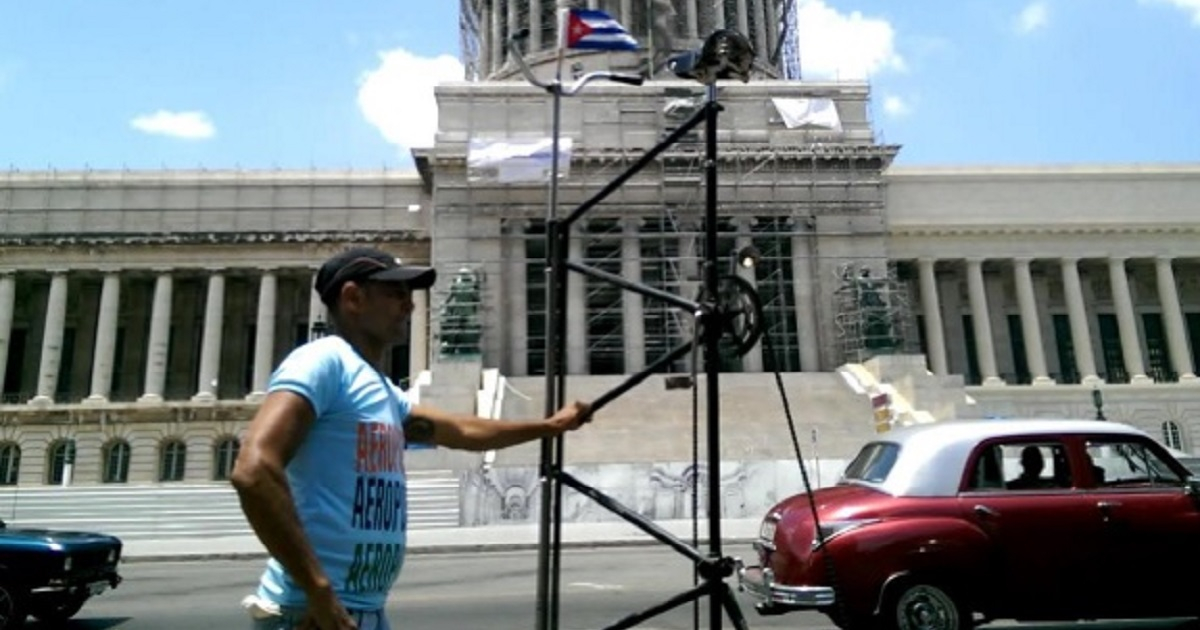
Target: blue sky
{"x":218,"y":84}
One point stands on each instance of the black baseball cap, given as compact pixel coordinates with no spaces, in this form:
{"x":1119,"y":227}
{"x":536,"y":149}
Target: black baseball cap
{"x":368,"y":263}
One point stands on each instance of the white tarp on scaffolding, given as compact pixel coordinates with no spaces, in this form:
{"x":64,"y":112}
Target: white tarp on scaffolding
{"x":808,"y":112}
{"x":516,"y":161}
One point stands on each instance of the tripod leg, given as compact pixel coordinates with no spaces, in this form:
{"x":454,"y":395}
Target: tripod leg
{"x":732,"y":608}
{"x":658,"y":609}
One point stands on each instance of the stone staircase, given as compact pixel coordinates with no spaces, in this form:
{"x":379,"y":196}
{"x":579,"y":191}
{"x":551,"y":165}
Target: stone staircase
{"x":166,"y":511}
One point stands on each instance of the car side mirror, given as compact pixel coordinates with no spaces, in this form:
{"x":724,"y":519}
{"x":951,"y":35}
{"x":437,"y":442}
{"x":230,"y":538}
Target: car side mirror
{"x":1192,"y":487}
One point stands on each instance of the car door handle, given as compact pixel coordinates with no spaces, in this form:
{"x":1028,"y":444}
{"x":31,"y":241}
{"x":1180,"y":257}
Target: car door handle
{"x":1108,"y":505}
{"x":983,"y":510}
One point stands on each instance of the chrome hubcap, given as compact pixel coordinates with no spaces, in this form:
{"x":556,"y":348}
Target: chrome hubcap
{"x":926,"y":608}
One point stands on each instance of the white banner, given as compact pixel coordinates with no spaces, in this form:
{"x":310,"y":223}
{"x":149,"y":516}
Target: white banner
{"x":516,"y":161}
{"x":808,"y":112}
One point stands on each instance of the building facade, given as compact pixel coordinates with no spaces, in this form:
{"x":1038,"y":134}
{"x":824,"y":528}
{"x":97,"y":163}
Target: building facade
{"x":142,"y":312}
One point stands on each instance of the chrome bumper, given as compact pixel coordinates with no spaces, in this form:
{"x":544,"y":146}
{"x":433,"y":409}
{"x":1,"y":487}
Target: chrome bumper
{"x":760,"y":582}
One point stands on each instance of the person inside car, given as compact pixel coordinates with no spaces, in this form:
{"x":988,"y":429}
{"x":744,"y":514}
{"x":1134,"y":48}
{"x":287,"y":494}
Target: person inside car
{"x":1032,"y":465}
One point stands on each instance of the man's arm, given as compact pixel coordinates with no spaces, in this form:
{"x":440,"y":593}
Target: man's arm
{"x":472,"y":433}
{"x":277,"y":430}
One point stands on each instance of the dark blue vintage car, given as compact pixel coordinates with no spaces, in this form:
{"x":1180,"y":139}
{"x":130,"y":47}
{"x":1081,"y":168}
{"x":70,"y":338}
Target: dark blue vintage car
{"x":51,"y":574}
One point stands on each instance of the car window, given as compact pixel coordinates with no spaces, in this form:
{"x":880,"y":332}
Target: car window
{"x":873,"y":462}
{"x":1020,"y":466}
{"x":1129,"y":463}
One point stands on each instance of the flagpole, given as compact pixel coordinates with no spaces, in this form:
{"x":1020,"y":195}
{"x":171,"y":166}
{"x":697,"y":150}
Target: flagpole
{"x":550,"y":523}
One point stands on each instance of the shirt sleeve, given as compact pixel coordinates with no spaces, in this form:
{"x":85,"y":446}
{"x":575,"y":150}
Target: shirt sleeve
{"x":312,"y":371}
{"x":403,"y":402}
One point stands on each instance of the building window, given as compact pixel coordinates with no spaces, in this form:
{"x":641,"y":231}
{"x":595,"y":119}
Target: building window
{"x":10,"y":463}
{"x":116,"y":461}
{"x":604,"y":302}
{"x":57,"y":457}
{"x":225,"y":453}
{"x":1172,"y":436}
{"x":1158,"y":356}
{"x":1110,"y":347}
{"x":774,"y":282}
{"x":1065,"y":344}
{"x":1016,"y":337}
{"x":172,"y":460}
{"x":973,"y":376}
{"x":662,"y":262}
{"x":535,"y":298}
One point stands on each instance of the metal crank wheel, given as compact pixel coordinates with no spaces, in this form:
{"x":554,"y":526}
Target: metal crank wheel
{"x":740,"y":312}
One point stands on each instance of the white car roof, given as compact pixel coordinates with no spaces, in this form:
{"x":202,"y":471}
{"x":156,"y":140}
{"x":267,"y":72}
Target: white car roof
{"x":932,"y":456}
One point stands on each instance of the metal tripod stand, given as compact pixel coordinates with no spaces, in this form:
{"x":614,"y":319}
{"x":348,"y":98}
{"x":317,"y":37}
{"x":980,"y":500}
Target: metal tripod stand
{"x":727,"y":305}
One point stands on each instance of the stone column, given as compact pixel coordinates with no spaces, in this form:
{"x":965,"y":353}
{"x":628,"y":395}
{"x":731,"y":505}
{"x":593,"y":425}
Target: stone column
{"x":743,"y":23}
{"x":106,"y":338}
{"x":772,"y":19}
{"x":264,"y":334}
{"x":159,"y":340}
{"x":1131,"y":345}
{"x":498,"y":54}
{"x":210,"y":349}
{"x":633,"y":304}
{"x":1035,"y":352}
{"x":8,"y":299}
{"x":535,"y":43}
{"x":980,"y":320}
{"x":931,"y":308}
{"x":52,"y":339}
{"x":693,"y":20}
{"x":576,"y":339}
{"x":1168,"y":295}
{"x":517,"y":299}
{"x":753,"y":360}
{"x":1081,"y":336}
{"x":806,"y":308}
{"x":765,"y":14}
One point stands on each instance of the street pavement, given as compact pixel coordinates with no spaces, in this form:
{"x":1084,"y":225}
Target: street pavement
{"x":454,"y":591}
{"x":452,"y":539}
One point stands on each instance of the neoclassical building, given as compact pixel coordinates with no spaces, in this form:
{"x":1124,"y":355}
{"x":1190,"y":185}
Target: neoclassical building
{"x":141,"y":313}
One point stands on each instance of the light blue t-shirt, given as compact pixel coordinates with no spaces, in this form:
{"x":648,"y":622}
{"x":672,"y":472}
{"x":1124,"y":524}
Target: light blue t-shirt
{"x":347,"y":478}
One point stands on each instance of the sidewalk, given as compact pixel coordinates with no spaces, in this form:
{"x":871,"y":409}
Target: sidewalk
{"x":451,"y":540}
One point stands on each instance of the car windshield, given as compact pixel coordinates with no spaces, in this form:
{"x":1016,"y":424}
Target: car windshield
{"x":873,"y":463}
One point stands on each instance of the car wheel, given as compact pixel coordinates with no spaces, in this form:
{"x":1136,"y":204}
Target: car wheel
{"x":12,"y":607}
{"x":58,"y":609}
{"x":921,"y":606}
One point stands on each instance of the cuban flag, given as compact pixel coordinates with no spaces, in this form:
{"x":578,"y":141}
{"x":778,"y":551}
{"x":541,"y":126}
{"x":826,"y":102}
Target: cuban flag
{"x":596,"y":30}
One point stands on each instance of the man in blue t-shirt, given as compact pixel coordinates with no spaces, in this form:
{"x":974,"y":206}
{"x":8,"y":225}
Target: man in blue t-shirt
{"x":320,"y":473}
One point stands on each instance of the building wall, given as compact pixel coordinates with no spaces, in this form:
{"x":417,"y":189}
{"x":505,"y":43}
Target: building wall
{"x":957,"y":245}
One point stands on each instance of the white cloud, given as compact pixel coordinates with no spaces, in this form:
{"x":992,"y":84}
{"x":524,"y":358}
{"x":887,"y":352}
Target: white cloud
{"x":186,"y":125}
{"x":1034,"y":16}
{"x":397,"y":97}
{"x":895,"y":106}
{"x":1190,"y":6}
{"x":844,"y":45}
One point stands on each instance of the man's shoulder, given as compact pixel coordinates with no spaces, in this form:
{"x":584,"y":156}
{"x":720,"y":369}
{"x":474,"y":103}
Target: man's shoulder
{"x":332,"y":347}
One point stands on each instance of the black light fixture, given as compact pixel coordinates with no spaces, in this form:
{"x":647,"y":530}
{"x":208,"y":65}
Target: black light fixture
{"x":319,"y":329}
{"x":726,"y":54}
{"x":1098,"y":402}
{"x":748,"y":257}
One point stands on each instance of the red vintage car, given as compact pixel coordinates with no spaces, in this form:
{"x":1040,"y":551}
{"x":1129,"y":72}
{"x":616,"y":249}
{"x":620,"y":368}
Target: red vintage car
{"x":946,"y":525}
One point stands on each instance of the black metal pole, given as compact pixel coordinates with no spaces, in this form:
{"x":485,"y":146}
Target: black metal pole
{"x":712,"y":347}
{"x":546,"y":462}
{"x":562,"y":250}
